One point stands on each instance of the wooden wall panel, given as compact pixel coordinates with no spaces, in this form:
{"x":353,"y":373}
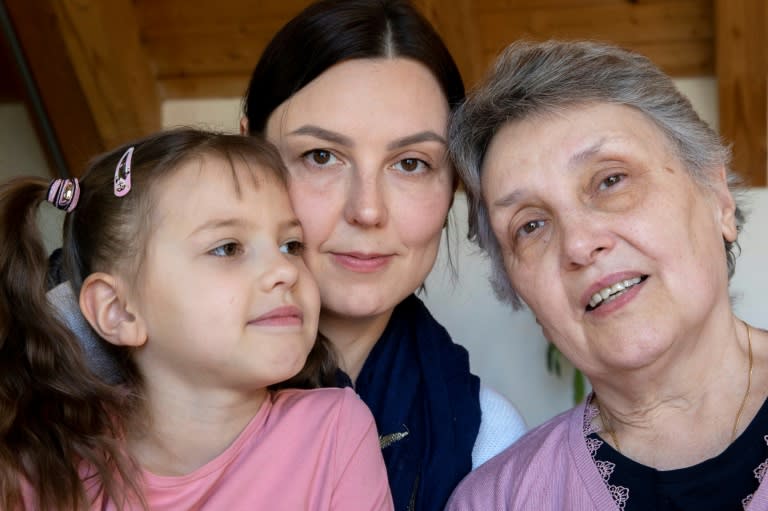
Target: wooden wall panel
{"x":742,"y":67}
{"x":102,"y":41}
{"x":11,"y":89}
{"x":458,"y":29}
{"x":197,"y":51}
{"x":204,"y":49}
{"x":124,"y":56}
{"x":534,"y":4}
{"x":93,"y":79}
{"x":677,"y":35}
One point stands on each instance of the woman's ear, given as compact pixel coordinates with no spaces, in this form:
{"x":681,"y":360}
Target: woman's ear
{"x":726,"y":206}
{"x":105,"y":307}
{"x":243,"y":125}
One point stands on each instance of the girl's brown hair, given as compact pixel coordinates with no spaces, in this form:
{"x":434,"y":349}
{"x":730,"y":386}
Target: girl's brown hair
{"x":59,"y":421}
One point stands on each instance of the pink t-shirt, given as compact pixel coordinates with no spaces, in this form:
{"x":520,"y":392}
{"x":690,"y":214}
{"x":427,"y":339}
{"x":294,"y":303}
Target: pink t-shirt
{"x":304,"y":450}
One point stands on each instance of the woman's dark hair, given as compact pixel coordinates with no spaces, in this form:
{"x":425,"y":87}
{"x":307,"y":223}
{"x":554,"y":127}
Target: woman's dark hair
{"x":57,"y":418}
{"x":332,"y":31}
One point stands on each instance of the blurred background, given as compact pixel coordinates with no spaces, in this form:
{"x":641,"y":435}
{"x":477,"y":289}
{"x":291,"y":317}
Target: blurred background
{"x":80,"y":76}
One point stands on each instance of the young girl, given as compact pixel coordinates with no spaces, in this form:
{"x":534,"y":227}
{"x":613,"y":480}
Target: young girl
{"x":185,"y":255}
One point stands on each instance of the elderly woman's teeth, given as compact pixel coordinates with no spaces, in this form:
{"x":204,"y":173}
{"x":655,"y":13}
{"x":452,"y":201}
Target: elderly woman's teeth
{"x":610,"y":291}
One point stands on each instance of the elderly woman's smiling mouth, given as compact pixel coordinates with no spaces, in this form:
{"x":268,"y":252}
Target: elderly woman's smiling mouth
{"x":601,"y":294}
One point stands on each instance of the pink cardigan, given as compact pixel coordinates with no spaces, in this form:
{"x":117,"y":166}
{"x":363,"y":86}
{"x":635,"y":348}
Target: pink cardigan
{"x":548,"y":469}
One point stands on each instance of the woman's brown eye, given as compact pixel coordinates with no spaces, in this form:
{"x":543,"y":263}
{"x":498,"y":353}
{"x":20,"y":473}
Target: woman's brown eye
{"x":321,"y":157}
{"x":529,"y":227}
{"x":611,"y":181}
{"x":411,"y":165}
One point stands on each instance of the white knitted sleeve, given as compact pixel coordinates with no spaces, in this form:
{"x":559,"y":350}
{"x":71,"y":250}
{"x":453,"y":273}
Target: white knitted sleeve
{"x":501,"y":424}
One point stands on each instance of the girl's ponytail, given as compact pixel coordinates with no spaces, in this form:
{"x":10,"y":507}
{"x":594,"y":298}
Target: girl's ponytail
{"x":56,"y":417}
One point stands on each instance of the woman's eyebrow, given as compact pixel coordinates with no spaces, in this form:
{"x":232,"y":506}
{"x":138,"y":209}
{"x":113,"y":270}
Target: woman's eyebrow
{"x":586,"y":154}
{"x":423,"y":136}
{"x":509,"y":199}
{"x":324,"y":134}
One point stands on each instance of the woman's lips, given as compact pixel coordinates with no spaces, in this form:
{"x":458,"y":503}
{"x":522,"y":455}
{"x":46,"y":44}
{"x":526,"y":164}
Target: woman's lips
{"x":618,"y":300}
{"x":360,"y":262}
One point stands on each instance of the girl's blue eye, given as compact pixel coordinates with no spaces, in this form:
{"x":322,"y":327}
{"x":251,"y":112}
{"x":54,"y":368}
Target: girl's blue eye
{"x":411,"y":165}
{"x":226,"y":250}
{"x":293,"y":247}
{"x":320,"y":157}
{"x":611,"y":180}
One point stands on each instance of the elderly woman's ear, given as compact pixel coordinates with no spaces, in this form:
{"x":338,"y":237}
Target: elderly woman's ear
{"x":726,"y":205}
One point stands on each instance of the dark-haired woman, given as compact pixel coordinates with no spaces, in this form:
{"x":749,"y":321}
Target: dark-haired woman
{"x":356,"y":94}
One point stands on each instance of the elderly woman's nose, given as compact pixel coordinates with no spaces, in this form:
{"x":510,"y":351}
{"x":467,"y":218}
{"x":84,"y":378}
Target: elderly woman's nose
{"x":365,"y":202}
{"x":583,"y":239}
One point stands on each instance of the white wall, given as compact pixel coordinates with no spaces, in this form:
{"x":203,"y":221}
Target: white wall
{"x":507,"y":349}
{"x":21,"y":154}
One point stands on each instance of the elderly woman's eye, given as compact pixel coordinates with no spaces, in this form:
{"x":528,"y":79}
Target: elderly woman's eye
{"x":529,"y":227}
{"x":611,"y":180}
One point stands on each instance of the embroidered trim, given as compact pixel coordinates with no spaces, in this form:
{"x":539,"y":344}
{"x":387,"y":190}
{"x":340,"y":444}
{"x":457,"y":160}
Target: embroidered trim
{"x":619,"y":494}
{"x":759,"y":472}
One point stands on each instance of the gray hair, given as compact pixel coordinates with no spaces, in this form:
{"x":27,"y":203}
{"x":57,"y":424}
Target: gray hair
{"x":534,"y":78}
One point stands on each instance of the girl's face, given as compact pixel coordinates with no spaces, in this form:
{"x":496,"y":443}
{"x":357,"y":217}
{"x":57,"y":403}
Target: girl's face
{"x":228,"y":303}
{"x":370,"y":182}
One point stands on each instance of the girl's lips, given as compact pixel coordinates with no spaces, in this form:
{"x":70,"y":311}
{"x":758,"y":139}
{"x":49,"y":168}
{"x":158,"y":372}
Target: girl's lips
{"x":282,"y":316}
{"x":361,"y":263}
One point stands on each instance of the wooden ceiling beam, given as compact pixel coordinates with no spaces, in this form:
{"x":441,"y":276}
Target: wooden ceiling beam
{"x":742,"y":67}
{"x":91,"y":72}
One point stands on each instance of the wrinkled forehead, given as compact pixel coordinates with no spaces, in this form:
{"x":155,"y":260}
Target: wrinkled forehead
{"x":571,"y":135}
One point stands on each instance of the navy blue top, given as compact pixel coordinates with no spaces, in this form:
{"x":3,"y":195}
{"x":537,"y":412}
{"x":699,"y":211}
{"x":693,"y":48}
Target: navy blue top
{"x":426,"y":403}
{"x":716,"y":484}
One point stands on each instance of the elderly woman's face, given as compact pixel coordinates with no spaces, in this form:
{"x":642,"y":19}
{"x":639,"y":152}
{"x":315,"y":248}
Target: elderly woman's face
{"x":605,"y":235}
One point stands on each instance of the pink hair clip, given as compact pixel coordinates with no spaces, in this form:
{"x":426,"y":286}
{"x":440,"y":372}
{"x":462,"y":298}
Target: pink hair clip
{"x":64,"y":193}
{"x":123,"y":174}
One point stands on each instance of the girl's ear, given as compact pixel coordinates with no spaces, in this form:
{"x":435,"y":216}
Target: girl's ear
{"x":105,"y":307}
{"x":243,"y":125}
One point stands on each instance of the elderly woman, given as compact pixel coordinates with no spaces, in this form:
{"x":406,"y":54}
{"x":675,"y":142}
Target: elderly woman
{"x":603,"y":201}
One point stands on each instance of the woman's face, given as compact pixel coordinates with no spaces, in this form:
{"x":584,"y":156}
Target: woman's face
{"x":606,"y":236}
{"x":370,"y":182}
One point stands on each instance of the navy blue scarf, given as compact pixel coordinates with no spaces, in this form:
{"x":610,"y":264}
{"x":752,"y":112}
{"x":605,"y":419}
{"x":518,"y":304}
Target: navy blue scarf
{"x":417,"y":383}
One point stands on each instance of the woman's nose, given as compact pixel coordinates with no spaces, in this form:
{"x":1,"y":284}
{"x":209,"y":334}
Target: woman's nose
{"x":365,"y":202}
{"x":583,"y":238}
